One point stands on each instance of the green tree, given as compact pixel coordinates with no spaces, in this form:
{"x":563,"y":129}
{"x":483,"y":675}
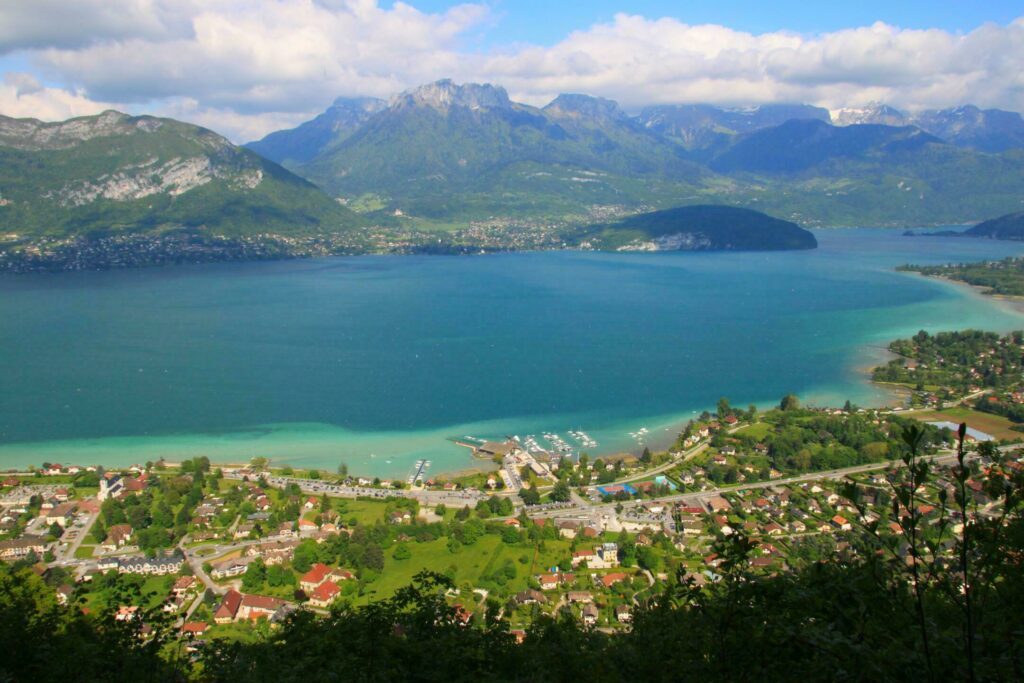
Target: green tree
{"x":529,"y":496}
{"x":724,"y":408}
{"x":255,"y":575}
{"x":561,"y":492}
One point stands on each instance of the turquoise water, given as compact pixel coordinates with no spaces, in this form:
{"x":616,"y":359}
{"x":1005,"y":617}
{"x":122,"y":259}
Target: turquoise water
{"x":375,"y":361}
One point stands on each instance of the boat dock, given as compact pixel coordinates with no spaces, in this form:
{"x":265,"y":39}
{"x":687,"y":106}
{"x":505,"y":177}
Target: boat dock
{"x":418,"y":471}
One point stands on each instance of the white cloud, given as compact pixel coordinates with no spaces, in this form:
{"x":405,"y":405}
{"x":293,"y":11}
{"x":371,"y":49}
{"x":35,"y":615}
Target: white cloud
{"x":245,"y":67}
{"x":640,"y":61}
{"x":22,"y":96}
{"x":28,"y":24}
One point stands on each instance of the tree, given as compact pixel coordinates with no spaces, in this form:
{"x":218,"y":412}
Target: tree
{"x":510,"y":535}
{"x":789,"y":402}
{"x":561,"y":492}
{"x":645,"y":457}
{"x":303,"y":558}
{"x":402,"y":552}
{"x":278,"y":576}
{"x":342,"y":470}
{"x":529,"y":496}
{"x":440,"y":510}
{"x":373,"y":557}
{"x":254,"y":575}
{"x":723,"y":407}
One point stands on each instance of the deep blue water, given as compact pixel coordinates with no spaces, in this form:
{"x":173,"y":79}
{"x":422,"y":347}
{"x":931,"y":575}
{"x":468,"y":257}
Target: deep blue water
{"x":316,"y":361}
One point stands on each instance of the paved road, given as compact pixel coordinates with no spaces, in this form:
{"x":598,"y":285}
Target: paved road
{"x":699,"y":496}
{"x":83,"y":531}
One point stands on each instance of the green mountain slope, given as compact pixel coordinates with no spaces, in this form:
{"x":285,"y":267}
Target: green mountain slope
{"x":449,"y":150}
{"x":312,"y":138}
{"x":1008,"y":227}
{"x":113,"y":173}
{"x":700,"y":228}
{"x":454,"y":153}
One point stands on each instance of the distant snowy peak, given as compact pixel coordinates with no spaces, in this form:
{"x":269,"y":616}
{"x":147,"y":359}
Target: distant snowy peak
{"x":872,"y":113}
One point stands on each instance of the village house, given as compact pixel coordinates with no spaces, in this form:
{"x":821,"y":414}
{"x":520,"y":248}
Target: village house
{"x":194,"y":629}
{"x":17,"y":548}
{"x":530,"y":597}
{"x":275,"y":552}
{"x":228,"y":609}
{"x":582,"y":597}
{"x":590,"y":614}
{"x":400,"y":517}
{"x":316,"y":575}
{"x":718,"y":504}
{"x":117,"y":536}
{"x":233,"y":567}
{"x":258,"y":607}
{"x":126,"y":613}
{"x":548,"y":582}
{"x":64,"y":594}
{"x":606,"y":556}
{"x":61,"y":514}
{"x":169,"y":564}
{"x":324,"y":594}
{"x":623,"y":614}
{"x":243,"y":531}
{"x":609,"y":580}
{"x":841,"y":523}
{"x":581,"y":556}
{"x":183,"y":585}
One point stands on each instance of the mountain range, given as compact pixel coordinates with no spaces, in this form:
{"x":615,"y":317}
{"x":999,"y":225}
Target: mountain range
{"x":447,"y":157}
{"x":458,"y":152}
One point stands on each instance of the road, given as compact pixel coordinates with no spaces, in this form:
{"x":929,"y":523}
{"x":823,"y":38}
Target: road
{"x":696,"y":497}
{"x":429,"y":498}
{"x":83,"y":531}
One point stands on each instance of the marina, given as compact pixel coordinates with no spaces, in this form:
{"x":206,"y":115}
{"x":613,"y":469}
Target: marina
{"x":419,"y":470}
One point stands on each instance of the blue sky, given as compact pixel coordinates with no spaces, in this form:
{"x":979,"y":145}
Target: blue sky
{"x":247,"y":67}
{"x":545,"y":22}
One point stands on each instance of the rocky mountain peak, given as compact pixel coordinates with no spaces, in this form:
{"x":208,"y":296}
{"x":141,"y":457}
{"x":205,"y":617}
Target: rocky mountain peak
{"x":444,"y":94}
{"x":576,"y":105}
{"x":873,"y":112}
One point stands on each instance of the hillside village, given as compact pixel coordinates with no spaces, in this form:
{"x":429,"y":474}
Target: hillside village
{"x":227,"y":552}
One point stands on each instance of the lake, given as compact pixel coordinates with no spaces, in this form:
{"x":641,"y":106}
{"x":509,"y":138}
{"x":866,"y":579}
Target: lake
{"x":378,"y":361}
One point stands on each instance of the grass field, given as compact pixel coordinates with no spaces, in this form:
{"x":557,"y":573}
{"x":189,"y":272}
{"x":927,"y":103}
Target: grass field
{"x":995,"y":425}
{"x":365,"y":511}
{"x":758,"y":430}
{"x":470,"y":563}
{"x":84,"y":552}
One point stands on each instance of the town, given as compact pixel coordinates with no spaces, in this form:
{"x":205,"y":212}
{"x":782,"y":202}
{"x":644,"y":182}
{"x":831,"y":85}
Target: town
{"x":211,"y":553}
{"x":222,"y":549}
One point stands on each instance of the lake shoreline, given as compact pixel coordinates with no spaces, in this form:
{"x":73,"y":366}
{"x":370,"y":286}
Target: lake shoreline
{"x":271,"y":359}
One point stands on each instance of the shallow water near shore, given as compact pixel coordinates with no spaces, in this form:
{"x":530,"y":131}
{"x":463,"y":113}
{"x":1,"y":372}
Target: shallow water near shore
{"x":379,"y":361}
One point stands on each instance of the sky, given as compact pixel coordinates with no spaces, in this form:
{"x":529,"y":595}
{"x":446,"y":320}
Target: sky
{"x":248,"y":67}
